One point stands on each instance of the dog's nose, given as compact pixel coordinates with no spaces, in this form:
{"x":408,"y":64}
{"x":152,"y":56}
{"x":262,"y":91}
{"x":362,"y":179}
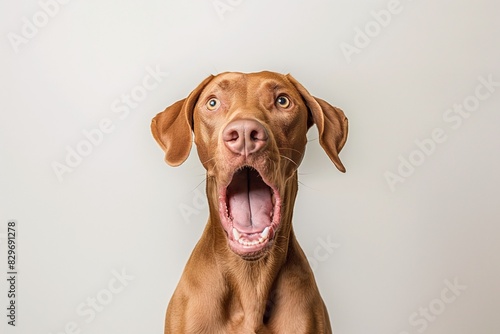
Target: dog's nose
{"x":245,"y":136}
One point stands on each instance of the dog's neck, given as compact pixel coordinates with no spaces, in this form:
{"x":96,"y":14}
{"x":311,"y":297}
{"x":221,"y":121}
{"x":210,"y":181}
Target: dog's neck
{"x":258,"y":276}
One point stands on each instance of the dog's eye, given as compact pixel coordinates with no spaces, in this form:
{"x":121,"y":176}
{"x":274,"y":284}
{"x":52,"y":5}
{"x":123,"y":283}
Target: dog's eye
{"x":213,"y":104}
{"x":283,"y":101}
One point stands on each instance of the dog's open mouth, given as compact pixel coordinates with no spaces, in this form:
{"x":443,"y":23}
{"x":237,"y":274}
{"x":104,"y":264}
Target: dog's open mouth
{"x":250,"y":213}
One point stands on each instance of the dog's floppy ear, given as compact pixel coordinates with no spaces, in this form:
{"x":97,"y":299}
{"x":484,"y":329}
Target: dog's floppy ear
{"x":331,"y":122}
{"x":172,"y":128}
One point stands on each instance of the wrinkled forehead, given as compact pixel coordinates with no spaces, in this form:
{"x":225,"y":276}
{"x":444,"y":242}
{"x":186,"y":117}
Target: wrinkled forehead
{"x":249,"y":84}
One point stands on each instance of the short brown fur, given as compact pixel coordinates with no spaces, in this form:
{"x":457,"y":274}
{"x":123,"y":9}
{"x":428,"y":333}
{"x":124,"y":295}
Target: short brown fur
{"x":220,"y":291}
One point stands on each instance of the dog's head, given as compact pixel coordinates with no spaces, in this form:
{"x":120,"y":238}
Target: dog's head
{"x":250,"y":133}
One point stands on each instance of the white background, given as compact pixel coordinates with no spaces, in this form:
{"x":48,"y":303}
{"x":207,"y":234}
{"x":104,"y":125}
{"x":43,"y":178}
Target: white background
{"x":121,"y":208}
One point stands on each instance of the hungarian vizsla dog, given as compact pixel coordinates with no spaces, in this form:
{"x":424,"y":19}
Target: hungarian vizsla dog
{"x":248,"y":274}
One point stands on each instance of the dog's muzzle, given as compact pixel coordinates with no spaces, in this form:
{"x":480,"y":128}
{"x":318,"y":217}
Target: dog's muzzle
{"x":249,"y":207}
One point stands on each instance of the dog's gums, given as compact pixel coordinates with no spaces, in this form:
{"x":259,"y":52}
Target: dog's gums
{"x":250,"y":213}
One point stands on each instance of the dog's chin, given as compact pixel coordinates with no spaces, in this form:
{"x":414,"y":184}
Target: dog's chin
{"x":250,"y":210}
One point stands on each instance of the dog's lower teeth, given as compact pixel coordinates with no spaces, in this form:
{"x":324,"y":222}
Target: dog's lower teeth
{"x":265,"y":233}
{"x":236,"y":234}
{"x":245,"y":242}
{"x":250,"y":243}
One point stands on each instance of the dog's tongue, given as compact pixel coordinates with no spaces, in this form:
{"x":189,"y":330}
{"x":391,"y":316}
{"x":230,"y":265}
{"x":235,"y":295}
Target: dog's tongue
{"x":250,"y":202}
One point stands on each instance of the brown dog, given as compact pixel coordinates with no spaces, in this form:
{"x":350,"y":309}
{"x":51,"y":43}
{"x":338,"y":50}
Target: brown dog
{"x":248,"y":274}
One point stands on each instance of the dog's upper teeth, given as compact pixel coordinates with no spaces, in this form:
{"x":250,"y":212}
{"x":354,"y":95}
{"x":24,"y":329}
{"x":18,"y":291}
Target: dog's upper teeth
{"x":265,"y":233}
{"x":236,"y":234}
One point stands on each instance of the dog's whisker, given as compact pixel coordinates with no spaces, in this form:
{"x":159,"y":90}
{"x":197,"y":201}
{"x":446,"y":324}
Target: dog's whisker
{"x":199,"y":184}
{"x":289,"y":159}
{"x":278,"y":246}
{"x":216,"y":165}
{"x":291,"y":149}
{"x":309,"y":187}
{"x":204,"y":162}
